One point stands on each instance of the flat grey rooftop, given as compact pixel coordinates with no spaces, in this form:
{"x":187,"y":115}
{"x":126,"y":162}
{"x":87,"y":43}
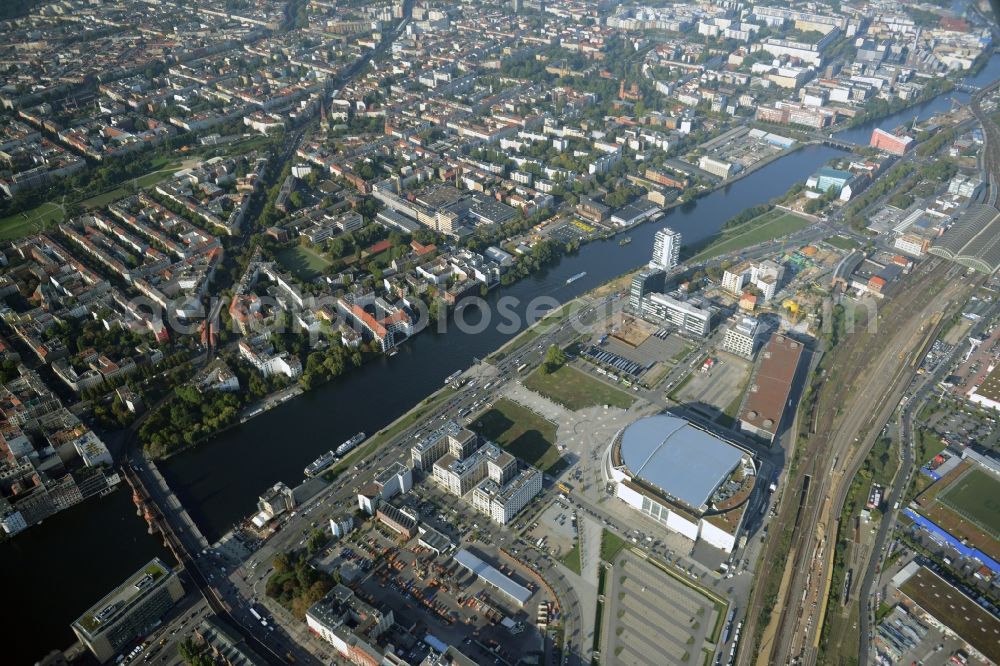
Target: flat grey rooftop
{"x":493,"y":576}
{"x":683,"y":460}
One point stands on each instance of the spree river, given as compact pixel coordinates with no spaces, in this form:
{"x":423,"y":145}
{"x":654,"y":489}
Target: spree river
{"x":55,"y":571}
{"x":219,"y":482}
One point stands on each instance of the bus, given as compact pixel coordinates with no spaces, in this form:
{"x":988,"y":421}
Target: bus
{"x":256,"y":615}
{"x":521,"y":368}
{"x":565,"y":487}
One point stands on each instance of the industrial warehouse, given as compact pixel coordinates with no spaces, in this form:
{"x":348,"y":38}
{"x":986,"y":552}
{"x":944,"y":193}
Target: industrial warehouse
{"x":686,"y":478}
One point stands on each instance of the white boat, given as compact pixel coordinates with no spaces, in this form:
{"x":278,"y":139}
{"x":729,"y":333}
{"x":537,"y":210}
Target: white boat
{"x":350,"y":444}
{"x":317,"y":466}
{"x":576,"y":277}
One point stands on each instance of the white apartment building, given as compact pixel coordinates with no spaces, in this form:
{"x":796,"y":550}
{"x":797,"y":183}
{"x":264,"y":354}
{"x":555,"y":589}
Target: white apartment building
{"x":764,"y":275}
{"x":267,"y":363}
{"x":666,"y":249}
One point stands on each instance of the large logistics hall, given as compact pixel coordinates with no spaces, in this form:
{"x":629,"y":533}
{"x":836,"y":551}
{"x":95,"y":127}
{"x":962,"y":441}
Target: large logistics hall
{"x":682,"y":476}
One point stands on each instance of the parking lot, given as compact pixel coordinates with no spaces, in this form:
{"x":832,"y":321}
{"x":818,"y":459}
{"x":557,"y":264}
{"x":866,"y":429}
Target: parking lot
{"x":901,"y":638}
{"x":554,"y":531}
{"x":652,"y":618}
{"x":961,"y":423}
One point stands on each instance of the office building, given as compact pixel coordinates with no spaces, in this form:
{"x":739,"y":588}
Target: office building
{"x":890,"y":143}
{"x":645,"y":282}
{"x":764,"y":275}
{"x":666,"y":249}
{"x":275,"y":501}
{"x":501,"y":502}
{"x":459,"y":475}
{"x":129,"y":611}
{"x":499,"y":486}
{"x":426,"y":452}
{"x":342,"y":525}
{"x":462,"y":443}
{"x":742,"y":337}
{"x":693,"y":316}
{"x":394,"y":479}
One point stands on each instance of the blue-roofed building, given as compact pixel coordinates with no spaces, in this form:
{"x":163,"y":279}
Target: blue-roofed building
{"x":827,"y":178}
{"x":682,"y":476}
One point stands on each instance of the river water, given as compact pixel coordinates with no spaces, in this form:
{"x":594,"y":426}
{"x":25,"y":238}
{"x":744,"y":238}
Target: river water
{"x":53,"y":572}
{"x":942,"y":103}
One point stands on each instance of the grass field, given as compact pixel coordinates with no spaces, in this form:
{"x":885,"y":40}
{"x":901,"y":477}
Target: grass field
{"x":575,"y":390}
{"x":31,"y":221}
{"x":522,"y":432}
{"x":572,"y":559}
{"x":147,"y":180}
{"x":304,"y":262}
{"x":768,"y":226}
{"x":842,"y":242}
{"x":611,"y":545}
{"x":976,"y":496}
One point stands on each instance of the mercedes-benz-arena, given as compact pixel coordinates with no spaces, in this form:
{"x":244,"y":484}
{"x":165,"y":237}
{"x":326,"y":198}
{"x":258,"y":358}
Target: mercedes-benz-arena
{"x":684,"y":477}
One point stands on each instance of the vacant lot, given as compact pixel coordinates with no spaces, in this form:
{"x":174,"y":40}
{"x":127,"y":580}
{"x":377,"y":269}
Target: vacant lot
{"x":304,"y":262}
{"x":714,"y":392}
{"x":976,"y":496}
{"x":522,"y":432}
{"x":575,"y":390}
{"x":768,"y":226}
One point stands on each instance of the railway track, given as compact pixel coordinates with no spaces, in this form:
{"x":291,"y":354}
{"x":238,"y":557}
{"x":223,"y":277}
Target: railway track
{"x":847,"y":411}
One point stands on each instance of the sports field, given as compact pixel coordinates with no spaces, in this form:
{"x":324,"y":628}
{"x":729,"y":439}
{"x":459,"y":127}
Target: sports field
{"x":976,"y":496}
{"x":304,"y":262}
